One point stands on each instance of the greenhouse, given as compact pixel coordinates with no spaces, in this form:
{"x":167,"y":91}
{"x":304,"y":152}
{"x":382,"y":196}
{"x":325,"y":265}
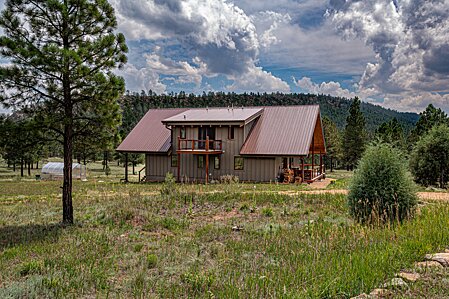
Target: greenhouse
{"x":55,"y":170}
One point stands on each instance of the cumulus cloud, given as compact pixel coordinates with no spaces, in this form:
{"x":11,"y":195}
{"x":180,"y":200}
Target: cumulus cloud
{"x":328,"y":88}
{"x":218,"y":37}
{"x":410,"y":39}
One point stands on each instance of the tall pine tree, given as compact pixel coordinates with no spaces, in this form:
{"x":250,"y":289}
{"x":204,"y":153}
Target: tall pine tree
{"x":354,"y":137}
{"x":61,"y":54}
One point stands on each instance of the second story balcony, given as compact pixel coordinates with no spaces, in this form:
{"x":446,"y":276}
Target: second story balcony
{"x":197,"y":146}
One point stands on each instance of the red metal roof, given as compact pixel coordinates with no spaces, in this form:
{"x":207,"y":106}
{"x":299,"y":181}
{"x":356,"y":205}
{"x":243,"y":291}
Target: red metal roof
{"x":284,"y":130}
{"x":215,"y":115}
{"x":150,"y":134}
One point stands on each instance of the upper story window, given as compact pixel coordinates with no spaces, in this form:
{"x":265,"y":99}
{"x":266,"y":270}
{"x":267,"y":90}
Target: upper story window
{"x":231,"y":132}
{"x":182,"y":133}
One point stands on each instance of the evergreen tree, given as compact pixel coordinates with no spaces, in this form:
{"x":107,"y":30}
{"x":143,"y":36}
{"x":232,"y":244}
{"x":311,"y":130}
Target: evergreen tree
{"x":333,"y":141}
{"x":427,"y":120}
{"x":429,"y":161}
{"x":354,"y":137}
{"x":391,"y":132}
{"x":61,"y":55}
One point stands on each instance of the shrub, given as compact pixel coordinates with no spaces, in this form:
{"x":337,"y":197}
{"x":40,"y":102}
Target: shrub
{"x":169,"y":186}
{"x":151,"y":261}
{"x":429,"y":161}
{"x":229,"y":179}
{"x":382,"y":189}
{"x":268,"y":212}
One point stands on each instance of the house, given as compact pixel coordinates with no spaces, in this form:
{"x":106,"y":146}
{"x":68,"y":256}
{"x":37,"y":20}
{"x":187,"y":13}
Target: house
{"x":258,"y":144}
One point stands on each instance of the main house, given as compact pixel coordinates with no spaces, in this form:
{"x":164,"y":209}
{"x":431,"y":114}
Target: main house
{"x":257,"y":144}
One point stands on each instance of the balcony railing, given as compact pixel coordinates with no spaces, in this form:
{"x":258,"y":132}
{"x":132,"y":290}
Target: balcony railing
{"x":200,"y":145}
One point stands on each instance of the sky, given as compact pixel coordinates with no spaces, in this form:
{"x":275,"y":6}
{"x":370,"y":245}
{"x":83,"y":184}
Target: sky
{"x":391,"y":53}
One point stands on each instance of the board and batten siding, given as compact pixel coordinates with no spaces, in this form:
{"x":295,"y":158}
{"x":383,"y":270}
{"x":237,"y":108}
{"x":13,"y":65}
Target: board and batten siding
{"x":157,"y":166}
{"x":255,"y":169}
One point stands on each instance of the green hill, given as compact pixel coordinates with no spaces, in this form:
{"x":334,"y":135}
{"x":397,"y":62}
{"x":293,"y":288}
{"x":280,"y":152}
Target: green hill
{"x":135,"y":105}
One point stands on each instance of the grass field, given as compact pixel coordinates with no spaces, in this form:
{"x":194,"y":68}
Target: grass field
{"x":130,"y":240}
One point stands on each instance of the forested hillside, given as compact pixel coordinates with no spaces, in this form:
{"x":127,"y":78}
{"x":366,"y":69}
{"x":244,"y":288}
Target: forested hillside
{"x":135,"y":105}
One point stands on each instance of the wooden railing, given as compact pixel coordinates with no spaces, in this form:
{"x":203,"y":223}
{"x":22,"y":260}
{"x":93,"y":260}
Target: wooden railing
{"x":198,"y":144}
{"x":140,"y":180}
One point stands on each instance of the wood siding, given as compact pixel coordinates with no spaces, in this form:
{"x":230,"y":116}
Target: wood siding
{"x":255,"y":169}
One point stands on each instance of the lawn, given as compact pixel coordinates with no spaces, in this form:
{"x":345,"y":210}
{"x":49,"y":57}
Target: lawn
{"x":216,"y":241}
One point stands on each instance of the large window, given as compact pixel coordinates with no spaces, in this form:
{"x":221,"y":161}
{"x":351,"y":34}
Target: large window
{"x":238,"y":163}
{"x":217,"y":162}
{"x":231,"y":132}
{"x":183,"y":133}
{"x":200,"y":161}
{"x":174,"y":160}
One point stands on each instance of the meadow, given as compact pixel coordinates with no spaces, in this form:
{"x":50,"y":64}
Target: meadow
{"x":216,"y":241}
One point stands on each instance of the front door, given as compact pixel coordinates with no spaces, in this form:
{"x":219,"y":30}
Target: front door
{"x":203,"y":132}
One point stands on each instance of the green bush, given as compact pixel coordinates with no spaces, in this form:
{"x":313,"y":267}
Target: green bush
{"x":429,"y":161}
{"x":169,"y":186}
{"x":151,"y":261}
{"x":382,"y":189}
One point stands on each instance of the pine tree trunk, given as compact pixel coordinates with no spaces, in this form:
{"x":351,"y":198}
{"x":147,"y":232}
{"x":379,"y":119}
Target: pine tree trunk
{"x":134,"y":165}
{"x":29,"y":168}
{"x":21,"y":167}
{"x":14,"y":166}
{"x":37,"y":164}
{"x":67,"y":208}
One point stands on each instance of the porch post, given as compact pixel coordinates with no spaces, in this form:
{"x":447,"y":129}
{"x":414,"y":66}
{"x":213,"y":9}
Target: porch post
{"x":313,"y":158}
{"x":179,"y":167}
{"x":126,"y":167}
{"x":321,"y":163}
{"x":207,"y":160}
{"x":302,"y":169}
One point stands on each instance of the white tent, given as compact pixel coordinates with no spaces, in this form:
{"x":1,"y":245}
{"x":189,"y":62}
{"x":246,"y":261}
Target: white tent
{"x":55,"y":170}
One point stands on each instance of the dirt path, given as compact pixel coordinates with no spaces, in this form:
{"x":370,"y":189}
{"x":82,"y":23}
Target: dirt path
{"x":440,"y":196}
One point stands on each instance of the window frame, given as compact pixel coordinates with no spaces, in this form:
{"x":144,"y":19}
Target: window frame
{"x":182,"y":133}
{"x":231,"y":132}
{"x":174,"y":157}
{"x":243,"y":163}
{"x":202,"y":159}
{"x":217,"y":159}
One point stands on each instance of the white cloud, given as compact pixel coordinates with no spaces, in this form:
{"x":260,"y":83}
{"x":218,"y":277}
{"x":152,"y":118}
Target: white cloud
{"x":218,"y":38}
{"x":408,"y":37}
{"x":138,"y":79}
{"x":328,"y":88}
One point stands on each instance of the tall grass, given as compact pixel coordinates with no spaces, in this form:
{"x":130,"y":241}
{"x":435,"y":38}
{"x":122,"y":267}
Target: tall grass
{"x":128,"y":244}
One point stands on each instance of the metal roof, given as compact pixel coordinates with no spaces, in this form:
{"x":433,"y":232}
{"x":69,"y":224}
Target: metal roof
{"x":215,"y":115}
{"x":284,"y":130}
{"x":150,"y":134}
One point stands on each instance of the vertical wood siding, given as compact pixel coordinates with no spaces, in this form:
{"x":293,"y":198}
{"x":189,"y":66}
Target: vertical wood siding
{"x":255,"y":169}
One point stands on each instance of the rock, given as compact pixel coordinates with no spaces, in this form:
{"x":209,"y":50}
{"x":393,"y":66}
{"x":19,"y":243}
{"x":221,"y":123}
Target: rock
{"x":362,"y":296}
{"x":237,"y":228}
{"x":379,"y":293}
{"x":396,"y":282}
{"x":446,"y":250}
{"x":442,"y":258}
{"x":412,"y":277}
{"x":428,"y":264}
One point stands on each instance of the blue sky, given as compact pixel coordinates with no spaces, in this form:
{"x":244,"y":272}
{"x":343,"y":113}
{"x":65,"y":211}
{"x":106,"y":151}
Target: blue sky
{"x":394,"y":53}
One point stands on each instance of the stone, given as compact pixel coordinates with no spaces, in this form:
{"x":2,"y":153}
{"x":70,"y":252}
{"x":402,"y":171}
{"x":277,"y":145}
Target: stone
{"x":362,"y":296}
{"x":379,"y":293}
{"x":237,"y":228}
{"x":428,"y":264}
{"x":442,"y":258}
{"x":396,"y":282}
{"x":412,"y":277}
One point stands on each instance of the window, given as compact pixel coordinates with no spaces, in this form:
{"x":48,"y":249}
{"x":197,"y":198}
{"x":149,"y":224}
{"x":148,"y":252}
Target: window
{"x":200,"y":161}
{"x":238,"y":163}
{"x":174,"y":160}
{"x":231,"y":132}
{"x":183,"y":133}
{"x":217,"y":162}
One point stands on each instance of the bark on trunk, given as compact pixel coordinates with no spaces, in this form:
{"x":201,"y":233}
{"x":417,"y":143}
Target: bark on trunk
{"x":21,"y":167}
{"x":29,"y":168}
{"x":37,"y":164}
{"x":14,"y":166}
{"x":134,"y":166}
{"x":67,"y":208}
